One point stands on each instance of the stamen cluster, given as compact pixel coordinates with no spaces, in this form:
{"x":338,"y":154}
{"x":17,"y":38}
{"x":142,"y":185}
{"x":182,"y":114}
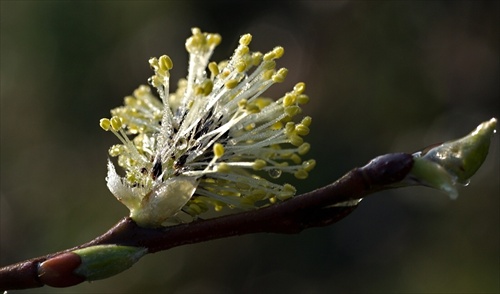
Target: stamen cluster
{"x":213,"y":143}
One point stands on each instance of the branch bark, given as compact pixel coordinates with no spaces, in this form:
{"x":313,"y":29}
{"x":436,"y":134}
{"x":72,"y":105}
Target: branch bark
{"x":440,"y":167}
{"x":320,"y":207}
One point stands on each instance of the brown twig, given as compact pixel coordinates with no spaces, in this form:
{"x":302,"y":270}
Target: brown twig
{"x":317,"y":208}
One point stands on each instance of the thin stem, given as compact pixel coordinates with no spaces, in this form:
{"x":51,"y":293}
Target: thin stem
{"x":439,"y":167}
{"x":320,"y":207}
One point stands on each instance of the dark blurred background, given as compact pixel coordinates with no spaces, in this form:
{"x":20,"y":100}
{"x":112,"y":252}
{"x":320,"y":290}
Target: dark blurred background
{"x":383,"y":76}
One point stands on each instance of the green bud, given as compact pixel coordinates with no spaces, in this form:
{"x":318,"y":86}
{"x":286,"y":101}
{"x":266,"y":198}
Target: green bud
{"x":103,"y":261}
{"x":463,"y":157}
{"x":433,"y":175}
{"x":443,"y":166}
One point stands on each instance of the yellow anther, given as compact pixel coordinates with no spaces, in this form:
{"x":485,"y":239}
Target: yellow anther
{"x":289,"y":100}
{"x":194,"y":42}
{"x":278,"y":51}
{"x":242,"y":50}
{"x":195,"y":209}
{"x":256,"y":58}
{"x":225,"y":73}
{"x":245,"y":39}
{"x":258,"y":164}
{"x":252,"y":108}
{"x":289,"y":127}
{"x":165,"y":63}
{"x":302,"y":99}
{"x":105,"y":124}
{"x":231,"y":84}
{"x":277,"y":126}
{"x":208,"y":86}
{"x":289,"y":188}
{"x":302,"y":129}
{"x":262,"y":102}
{"x":280,"y":76}
{"x":309,"y":165}
{"x":218,"y":150}
{"x":286,"y":119}
{"x":242,"y":103}
{"x":129,"y":100}
{"x":250,"y":127}
{"x":268,"y":74}
{"x":296,"y":140}
{"x":189,"y":211}
{"x":213,"y":39}
{"x":304,"y":148}
{"x":142,"y":91}
{"x":299,"y":88}
{"x":162,"y":73}
{"x":214,"y":69}
{"x":301,"y":174}
{"x":153,"y":62}
{"x":293,"y":110}
{"x":199,"y":201}
{"x":131,"y":178}
{"x":116,"y":123}
{"x":306,"y":121}
{"x":287,"y":192}
{"x":269,"y":56}
{"x":198,"y":90}
{"x":116,"y":150}
{"x":195,"y":31}
{"x":241,"y":66}
{"x":155,"y":81}
{"x":295,"y":158}
{"x":140,"y":102}
{"x":269,"y":65}
{"x":284,"y":196}
{"x":282,"y":164}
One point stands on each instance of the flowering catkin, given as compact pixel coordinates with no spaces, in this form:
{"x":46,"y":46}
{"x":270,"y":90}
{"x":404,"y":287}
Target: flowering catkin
{"x":213,"y":143}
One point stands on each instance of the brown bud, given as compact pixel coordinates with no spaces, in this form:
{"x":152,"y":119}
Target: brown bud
{"x":58,"y":270}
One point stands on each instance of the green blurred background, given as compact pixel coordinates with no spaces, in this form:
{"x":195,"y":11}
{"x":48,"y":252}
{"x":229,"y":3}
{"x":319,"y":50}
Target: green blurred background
{"x":382,"y":76}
